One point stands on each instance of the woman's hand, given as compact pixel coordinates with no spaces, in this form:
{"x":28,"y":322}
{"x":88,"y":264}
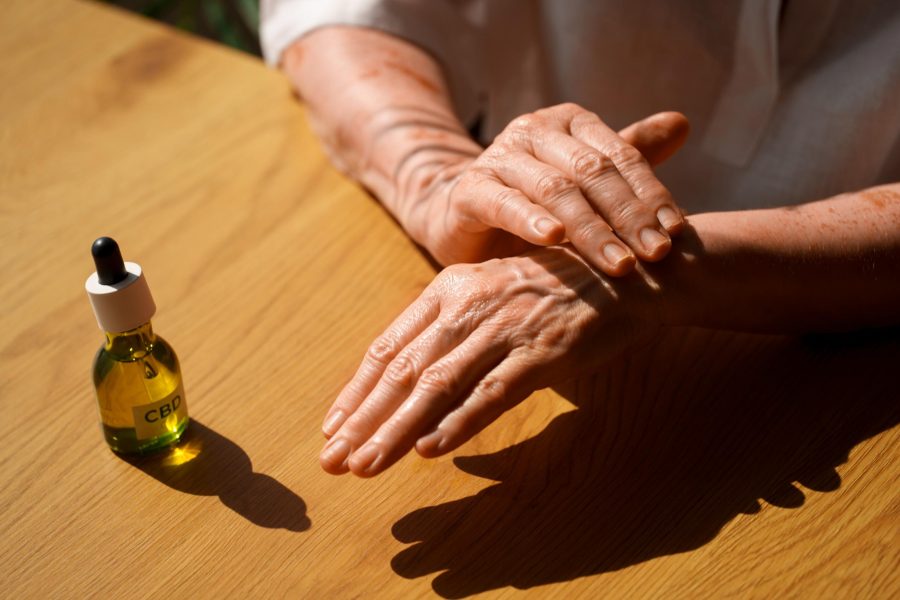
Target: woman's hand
{"x":383,"y":111}
{"x":477,"y":342}
{"x":559,"y":173}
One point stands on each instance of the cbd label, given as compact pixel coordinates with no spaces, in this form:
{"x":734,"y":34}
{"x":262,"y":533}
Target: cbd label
{"x":163,"y":416}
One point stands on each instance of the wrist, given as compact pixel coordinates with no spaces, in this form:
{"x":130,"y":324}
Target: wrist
{"x":408,"y":155}
{"x":423,"y":194}
{"x":687,"y":287}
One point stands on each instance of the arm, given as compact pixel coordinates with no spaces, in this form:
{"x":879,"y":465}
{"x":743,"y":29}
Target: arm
{"x":823,"y":266}
{"x":384,"y":114}
{"x":481,"y":338}
{"x":377,"y":101}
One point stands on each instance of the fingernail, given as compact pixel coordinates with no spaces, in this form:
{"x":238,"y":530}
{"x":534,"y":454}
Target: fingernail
{"x":335,"y":452}
{"x":615,"y":253}
{"x":668,"y":218}
{"x":652,"y":240}
{"x":333,"y":422}
{"x":364,"y":458}
{"x":545,"y":226}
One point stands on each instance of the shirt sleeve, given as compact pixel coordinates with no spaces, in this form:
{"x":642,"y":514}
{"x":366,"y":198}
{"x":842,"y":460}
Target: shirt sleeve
{"x":443,"y":28}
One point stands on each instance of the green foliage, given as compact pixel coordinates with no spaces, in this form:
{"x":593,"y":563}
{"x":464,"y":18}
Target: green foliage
{"x":232,"y":22}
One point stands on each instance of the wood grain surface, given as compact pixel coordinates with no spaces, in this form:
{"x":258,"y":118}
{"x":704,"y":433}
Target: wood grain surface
{"x":707,"y":464}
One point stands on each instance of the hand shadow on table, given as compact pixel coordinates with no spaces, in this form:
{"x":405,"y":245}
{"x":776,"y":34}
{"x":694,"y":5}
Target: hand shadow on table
{"x":206,"y":463}
{"x":656,"y":465}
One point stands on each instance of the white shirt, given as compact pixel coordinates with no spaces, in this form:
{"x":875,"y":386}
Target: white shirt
{"x":789,"y":100}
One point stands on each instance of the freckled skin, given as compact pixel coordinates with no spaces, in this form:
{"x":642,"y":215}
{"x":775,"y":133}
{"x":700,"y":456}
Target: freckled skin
{"x":483,"y":336}
{"x":880,"y":197}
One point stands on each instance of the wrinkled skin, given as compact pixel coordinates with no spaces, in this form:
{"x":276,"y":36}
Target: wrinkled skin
{"x":558,"y":173}
{"x":385,"y":116}
{"x":477,"y":342}
{"x":383,"y":110}
{"x":482,"y":337}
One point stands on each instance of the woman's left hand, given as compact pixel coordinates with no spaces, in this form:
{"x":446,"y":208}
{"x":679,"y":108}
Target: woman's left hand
{"x":478,"y":341}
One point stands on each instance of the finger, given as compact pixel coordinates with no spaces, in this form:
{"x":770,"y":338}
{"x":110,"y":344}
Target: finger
{"x":397,"y":380}
{"x":438,"y":390}
{"x":658,"y":136}
{"x":493,"y":204}
{"x":551,"y":188}
{"x":588,"y":128}
{"x":498,"y":391}
{"x":419,"y":315}
{"x":611,"y":196}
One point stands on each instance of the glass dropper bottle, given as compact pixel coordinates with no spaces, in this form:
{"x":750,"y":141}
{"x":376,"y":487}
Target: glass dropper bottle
{"x":137,"y":377}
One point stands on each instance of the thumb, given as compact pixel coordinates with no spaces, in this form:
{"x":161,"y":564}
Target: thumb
{"x":658,"y":136}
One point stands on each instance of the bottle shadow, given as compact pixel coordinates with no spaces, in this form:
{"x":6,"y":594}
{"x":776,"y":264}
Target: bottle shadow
{"x":666,"y":446}
{"x":205,"y":463}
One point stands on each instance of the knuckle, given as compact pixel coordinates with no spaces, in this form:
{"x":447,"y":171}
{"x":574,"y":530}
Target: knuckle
{"x":553,"y":185}
{"x":524,"y":121}
{"x":452,"y":273}
{"x":591,"y":228}
{"x":438,"y":379}
{"x":521,"y":127}
{"x":505,"y":203}
{"x":475,"y":302}
{"x":590,"y":165}
{"x":382,"y":349}
{"x":492,"y":390}
{"x":502,"y":151}
{"x":516,"y":138}
{"x":550,"y":339}
{"x":625,"y":155}
{"x":584,"y":118}
{"x":654,"y":192}
{"x":443,"y":281}
{"x":459,"y":320}
{"x":628,"y":212}
{"x":450,"y":330}
{"x":402,"y":371}
{"x":567,"y":108}
{"x":464,"y":287}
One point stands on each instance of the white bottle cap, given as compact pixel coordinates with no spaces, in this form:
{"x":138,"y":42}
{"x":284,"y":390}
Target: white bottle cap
{"x":124,"y":305}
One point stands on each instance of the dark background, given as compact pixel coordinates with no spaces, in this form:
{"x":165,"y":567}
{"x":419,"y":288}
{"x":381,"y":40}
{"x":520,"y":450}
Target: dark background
{"x":231,"y":22}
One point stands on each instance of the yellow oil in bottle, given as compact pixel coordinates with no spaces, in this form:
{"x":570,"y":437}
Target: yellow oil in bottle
{"x":136,"y":373}
{"x":139,"y":390}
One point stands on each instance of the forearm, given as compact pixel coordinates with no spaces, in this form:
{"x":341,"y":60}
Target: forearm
{"x":824,"y":266}
{"x":383,"y":111}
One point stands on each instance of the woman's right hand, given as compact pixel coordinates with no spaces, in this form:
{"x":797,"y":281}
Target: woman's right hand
{"x":555,"y":174}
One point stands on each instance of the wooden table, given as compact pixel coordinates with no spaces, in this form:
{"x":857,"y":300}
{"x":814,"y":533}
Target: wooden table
{"x":709,"y":464}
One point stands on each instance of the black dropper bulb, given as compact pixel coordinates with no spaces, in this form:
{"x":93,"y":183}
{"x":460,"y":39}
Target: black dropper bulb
{"x":108,"y":260}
